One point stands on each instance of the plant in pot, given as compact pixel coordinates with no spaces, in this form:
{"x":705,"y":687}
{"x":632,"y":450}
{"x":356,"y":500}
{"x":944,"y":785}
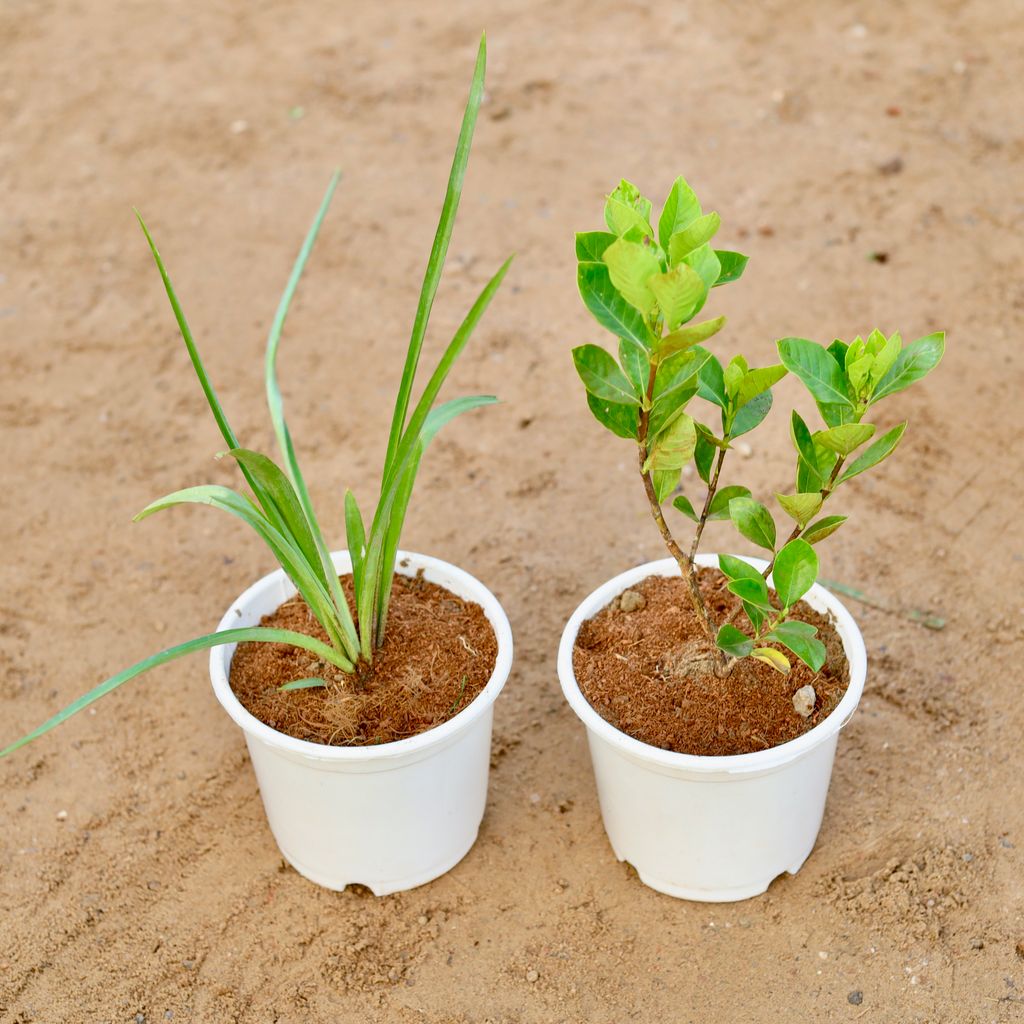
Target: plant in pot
{"x":713,"y":688}
{"x":363,"y":680}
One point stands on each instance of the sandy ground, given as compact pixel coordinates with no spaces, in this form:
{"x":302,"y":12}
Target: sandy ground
{"x":160,"y":895}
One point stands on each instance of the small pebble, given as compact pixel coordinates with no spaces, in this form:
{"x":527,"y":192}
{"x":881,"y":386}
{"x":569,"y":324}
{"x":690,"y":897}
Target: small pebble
{"x":977,"y":943}
{"x":631,"y":601}
{"x":803,"y":701}
{"x":855,"y":998}
{"x":1020,"y":949}
{"x":140,"y":1018}
{"x":62,"y":815}
{"x":423,"y":919}
{"x":532,"y":975}
{"x":744,"y":449}
{"x":239,"y":126}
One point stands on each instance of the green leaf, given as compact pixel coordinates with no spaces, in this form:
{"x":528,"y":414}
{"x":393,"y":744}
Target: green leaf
{"x":686,"y":337}
{"x":795,"y":570}
{"x":737,"y":569}
{"x":817,"y":369}
{"x":732,"y":263}
{"x":601,"y":375}
{"x":712,"y":383}
{"x":665,"y":482}
{"x":609,"y":308}
{"x":754,"y":521}
{"x":844,"y":439}
{"x":914,"y":362}
{"x":799,"y":637}
{"x":306,"y":577}
{"x":705,"y":262}
{"x":303,"y":684}
{"x":837,"y":350}
{"x":438,"y":252}
{"x":355,"y":538}
{"x":681,"y":209}
{"x":676,"y":383}
{"x":755,"y":614}
{"x":637,"y":366}
{"x":622,"y":420}
{"x":630,"y":266}
{"x":733,"y":376}
{"x":874,"y":453}
{"x":673,"y":447}
{"x":734,"y":642}
{"x":678,"y":293}
{"x":770,"y":656}
{"x":801,"y":507}
{"x":719,"y":508}
{"x":750,"y":415}
{"x":278,"y":491}
{"x":755,"y":382}
{"x":804,"y":444}
{"x":626,"y":209}
{"x":823,"y":528}
{"x":885,"y":357}
{"x":752,"y":591}
{"x":704,"y":454}
{"x":695,"y":234}
{"x":254,"y":634}
{"x":590,"y":245}
{"x":683,"y":504}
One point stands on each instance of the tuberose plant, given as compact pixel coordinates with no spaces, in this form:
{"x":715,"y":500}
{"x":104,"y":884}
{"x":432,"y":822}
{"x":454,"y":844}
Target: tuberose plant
{"x":646,"y":287}
{"x":280,"y":510}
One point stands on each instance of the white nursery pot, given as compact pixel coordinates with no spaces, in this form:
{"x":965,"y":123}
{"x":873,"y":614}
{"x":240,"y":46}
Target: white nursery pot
{"x":711,"y":828}
{"x":391,"y":816}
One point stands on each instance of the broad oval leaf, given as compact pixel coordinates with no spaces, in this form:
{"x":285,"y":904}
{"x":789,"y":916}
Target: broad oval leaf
{"x":609,"y":308}
{"x":846,"y":438}
{"x":602,"y":377}
{"x":705,"y":262}
{"x":800,"y":638}
{"x":683,"y":242}
{"x":754,"y":521}
{"x":673,"y":447}
{"x":757,"y":381}
{"x":732,"y":263}
{"x":750,"y":415}
{"x":794,"y":572}
{"x":817,"y":369}
{"x":752,"y":591}
{"x":874,"y":453}
{"x":681,"y":209}
{"x":711,"y":383}
{"x":823,"y":528}
{"x":704,"y":453}
{"x":737,"y":569}
{"x":665,"y":482}
{"x":684,"y":505}
{"x":636,"y":364}
{"x":733,"y":641}
{"x":686,"y":337}
{"x":719,"y":508}
{"x":622,"y":420}
{"x":630,"y":266}
{"x":678,"y":292}
{"x":914,"y":362}
{"x":590,"y":245}
{"x":626,"y":208}
{"x":801,"y":507}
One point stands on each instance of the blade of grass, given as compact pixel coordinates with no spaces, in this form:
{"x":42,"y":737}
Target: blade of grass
{"x":438,"y":251}
{"x":275,"y":404}
{"x":303,"y":684}
{"x":396,"y":520}
{"x":290,"y":559}
{"x":355,"y":538}
{"x":258,"y":634}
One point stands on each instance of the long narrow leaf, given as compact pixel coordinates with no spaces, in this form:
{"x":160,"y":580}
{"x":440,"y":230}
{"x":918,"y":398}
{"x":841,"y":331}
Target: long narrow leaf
{"x":275,"y":404}
{"x":355,"y":538}
{"x":258,"y":634}
{"x":290,"y":559}
{"x":435,"y":420}
{"x":438,"y":251}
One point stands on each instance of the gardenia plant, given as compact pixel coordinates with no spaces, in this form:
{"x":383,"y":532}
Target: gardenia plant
{"x":280,"y":510}
{"x":646,"y":287}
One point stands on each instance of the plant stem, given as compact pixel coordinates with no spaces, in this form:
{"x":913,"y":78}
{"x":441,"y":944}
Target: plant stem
{"x":712,"y":488}
{"x":685,"y":563}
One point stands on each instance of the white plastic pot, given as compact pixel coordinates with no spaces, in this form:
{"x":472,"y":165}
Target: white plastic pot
{"x":711,"y":828}
{"x":391,"y":816}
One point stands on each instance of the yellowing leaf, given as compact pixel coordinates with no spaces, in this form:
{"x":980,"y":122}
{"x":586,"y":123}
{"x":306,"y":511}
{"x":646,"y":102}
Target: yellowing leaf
{"x":770,"y":656}
{"x":630,"y":266}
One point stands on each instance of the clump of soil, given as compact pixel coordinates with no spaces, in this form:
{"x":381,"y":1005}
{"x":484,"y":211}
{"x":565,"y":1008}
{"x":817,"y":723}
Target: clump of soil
{"x":647,"y":672}
{"x":438,"y":654}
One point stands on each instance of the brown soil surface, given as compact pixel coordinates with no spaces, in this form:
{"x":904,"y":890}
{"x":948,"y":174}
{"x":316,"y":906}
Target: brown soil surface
{"x":137,"y":873}
{"x":646,"y":672}
{"x":438,"y":654}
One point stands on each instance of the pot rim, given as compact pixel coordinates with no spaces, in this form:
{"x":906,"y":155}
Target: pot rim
{"x":408,"y":563}
{"x":729,"y":764}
